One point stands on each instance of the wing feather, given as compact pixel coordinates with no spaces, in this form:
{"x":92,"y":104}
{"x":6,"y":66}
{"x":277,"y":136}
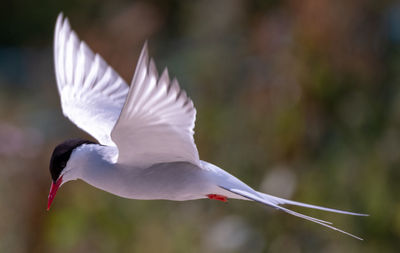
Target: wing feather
{"x":156,"y":123}
{"x":92,"y":93}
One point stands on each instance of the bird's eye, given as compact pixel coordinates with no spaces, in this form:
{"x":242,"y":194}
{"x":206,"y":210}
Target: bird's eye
{"x":63,"y":164}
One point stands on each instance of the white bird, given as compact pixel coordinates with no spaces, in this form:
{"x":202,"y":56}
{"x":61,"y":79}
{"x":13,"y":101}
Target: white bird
{"x":145,"y":132}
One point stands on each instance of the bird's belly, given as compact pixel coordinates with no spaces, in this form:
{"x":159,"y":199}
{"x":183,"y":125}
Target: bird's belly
{"x":172,"y":181}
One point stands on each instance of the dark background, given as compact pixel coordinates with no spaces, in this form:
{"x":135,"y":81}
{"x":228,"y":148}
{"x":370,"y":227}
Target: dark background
{"x":298,"y":98}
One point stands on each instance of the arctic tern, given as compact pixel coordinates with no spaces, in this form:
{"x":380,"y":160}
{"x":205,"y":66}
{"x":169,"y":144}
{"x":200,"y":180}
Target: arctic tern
{"x":145,"y":132}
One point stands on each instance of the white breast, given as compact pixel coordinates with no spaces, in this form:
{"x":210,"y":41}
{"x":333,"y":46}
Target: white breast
{"x":173,"y":181}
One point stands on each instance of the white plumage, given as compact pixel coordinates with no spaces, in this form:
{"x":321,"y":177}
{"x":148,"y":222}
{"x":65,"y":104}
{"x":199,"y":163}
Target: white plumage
{"x":147,"y":148}
{"x":92,"y":93}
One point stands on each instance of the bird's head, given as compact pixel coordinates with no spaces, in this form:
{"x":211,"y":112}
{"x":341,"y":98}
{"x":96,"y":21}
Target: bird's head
{"x":60,"y":169}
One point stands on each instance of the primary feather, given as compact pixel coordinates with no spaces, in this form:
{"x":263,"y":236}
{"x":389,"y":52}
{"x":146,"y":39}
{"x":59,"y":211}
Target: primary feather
{"x":92,"y":93}
{"x":156,"y":123}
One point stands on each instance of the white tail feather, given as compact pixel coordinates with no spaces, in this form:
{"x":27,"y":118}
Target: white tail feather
{"x":281,"y":201}
{"x":275,"y":202}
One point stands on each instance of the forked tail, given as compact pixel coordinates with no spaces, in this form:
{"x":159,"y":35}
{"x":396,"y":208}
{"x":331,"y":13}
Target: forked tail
{"x":275,"y":202}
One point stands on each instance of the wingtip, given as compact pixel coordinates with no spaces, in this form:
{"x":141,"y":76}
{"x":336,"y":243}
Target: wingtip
{"x":153,"y":69}
{"x":164,"y":78}
{"x":144,"y":54}
{"x":62,"y":26}
{"x":60,"y":17}
{"x":59,"y":22}
{"x":66,"y":24}
{"x":146,"y":44}
{"x":165,"y":73}
{"x":145,"y":49}
{"x":62,"y":21}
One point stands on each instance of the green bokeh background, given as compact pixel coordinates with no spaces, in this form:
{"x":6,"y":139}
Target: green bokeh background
{"x":297,"y":98}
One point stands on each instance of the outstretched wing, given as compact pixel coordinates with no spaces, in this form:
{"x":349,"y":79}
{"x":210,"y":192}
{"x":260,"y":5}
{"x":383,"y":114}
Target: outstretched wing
{"x":92,"y":93}
{"x":156,"y":123}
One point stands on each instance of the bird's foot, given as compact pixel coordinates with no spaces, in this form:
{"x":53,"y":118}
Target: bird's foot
{"x":218,"y":197}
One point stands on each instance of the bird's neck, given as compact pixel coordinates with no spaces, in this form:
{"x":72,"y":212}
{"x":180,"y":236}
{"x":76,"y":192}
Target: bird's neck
{"x":97,"y":166}
{"x":91,"y":160}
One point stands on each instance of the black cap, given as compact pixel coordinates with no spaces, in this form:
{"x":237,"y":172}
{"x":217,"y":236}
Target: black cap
{"x":61,"y":155}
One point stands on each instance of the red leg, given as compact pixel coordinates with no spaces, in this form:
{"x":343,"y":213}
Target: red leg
{"x":218,"y":197}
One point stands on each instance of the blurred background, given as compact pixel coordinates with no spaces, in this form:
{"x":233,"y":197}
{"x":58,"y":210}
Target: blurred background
{"x":297,"y":98}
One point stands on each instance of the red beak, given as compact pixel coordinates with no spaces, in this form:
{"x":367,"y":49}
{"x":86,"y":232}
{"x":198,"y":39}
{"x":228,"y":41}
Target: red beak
{"x":53,"y":191}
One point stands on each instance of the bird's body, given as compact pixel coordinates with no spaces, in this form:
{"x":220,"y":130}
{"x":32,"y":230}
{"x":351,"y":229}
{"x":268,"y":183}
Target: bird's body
{"x":96,"y":165}
{"x":146,"y":148}
{"x":173,"y":181}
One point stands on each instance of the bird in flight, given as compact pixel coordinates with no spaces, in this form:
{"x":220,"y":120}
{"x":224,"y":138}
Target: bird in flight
{"x":145,"y":132}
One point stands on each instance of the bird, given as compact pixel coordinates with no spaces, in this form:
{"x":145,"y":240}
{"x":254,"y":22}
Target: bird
{"x":145,"y":148}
